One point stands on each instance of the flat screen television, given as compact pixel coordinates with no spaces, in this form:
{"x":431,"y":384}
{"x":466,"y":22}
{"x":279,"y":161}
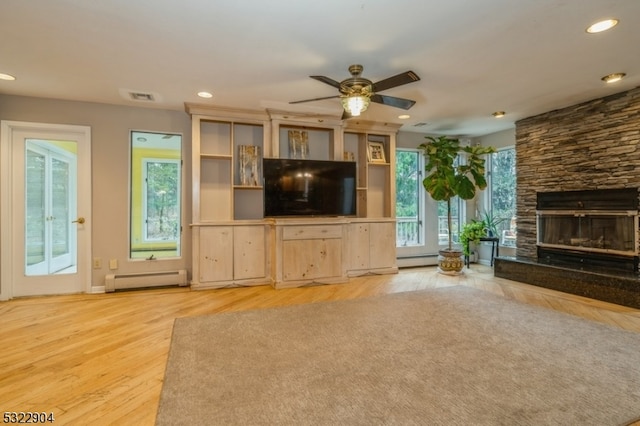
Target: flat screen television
{"x":295,"y":187}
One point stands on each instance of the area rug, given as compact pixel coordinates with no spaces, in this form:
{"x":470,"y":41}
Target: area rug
{"x":450,"y":356}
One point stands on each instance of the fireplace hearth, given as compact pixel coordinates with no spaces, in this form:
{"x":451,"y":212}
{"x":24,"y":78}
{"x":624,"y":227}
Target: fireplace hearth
{"x":587,"y":244}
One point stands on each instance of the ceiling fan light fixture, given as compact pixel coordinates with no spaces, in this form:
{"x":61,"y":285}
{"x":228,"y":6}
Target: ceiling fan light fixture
{"x":355,"y":104}
{"x":612,"y":78}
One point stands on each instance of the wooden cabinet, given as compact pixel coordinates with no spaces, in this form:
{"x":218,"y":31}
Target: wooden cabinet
{"x":231,"y":254}
{"x":233,"y":244}
{"x":309,"y":251}
{"x":215,"y":260}
{"x":371,"y":247}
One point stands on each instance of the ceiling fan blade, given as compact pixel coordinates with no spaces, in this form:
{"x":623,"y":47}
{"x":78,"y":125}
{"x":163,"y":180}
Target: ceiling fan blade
{"x":395,"y":81}
{"x":345,"y":115}
{"x":315,"y":99}
{"x":393,"y":101}
{"x":327,"y":80}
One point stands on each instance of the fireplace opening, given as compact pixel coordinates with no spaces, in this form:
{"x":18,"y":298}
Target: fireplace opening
{"x":596,"y":228}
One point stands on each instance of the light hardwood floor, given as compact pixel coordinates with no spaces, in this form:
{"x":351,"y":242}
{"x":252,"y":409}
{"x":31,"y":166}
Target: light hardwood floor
{"x":100,"y":359}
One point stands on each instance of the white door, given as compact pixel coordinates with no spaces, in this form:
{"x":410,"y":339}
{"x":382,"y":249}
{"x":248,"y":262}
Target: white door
{"x":46,"y":222}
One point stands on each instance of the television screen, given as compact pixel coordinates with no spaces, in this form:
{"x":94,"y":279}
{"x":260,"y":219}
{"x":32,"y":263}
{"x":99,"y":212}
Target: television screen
{"x":309,"y":187}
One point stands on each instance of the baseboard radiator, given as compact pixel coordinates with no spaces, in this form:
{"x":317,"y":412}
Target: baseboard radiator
{"x":145,"y":279}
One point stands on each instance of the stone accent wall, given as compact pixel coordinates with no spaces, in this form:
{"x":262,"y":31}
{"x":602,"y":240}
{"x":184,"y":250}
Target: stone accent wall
{"x":593,"y":145}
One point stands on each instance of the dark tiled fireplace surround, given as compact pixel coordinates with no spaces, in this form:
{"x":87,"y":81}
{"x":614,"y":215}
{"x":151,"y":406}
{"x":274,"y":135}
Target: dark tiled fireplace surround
{"x":593,"y":145}
{"x":587,"y":244}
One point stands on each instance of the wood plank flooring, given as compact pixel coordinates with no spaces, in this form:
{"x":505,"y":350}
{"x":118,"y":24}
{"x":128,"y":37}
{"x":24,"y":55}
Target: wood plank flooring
{"x":100,"y":359}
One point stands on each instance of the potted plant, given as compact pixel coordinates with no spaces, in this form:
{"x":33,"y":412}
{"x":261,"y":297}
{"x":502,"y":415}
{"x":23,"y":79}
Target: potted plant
{"x":471,"y":233}
{"x":445,"y":179}
{"x":492,"y":223}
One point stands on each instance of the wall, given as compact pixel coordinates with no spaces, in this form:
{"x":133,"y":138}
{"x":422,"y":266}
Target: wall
{"x":502,"y":139}
{"x":110,"y":126}
{"x":592,"y":145}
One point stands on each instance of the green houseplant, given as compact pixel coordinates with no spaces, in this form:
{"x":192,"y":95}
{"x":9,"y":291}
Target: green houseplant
{"x":492,"y":223}
{"x":445,"y":179}
{"x":471,"y":233}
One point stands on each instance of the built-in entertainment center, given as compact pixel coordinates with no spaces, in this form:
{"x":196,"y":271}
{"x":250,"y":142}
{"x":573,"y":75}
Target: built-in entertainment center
{"x":290,"y":200}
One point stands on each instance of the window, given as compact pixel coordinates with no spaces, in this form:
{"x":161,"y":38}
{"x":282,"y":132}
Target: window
{"x":409,"y":195}
{"x":50,"y":206}
{"x":161,"y":200}
{"x":502,"y":193}
{"x":156,"y":182}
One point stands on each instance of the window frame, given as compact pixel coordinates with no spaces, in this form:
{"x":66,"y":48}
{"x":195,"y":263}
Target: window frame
{"x":422,"y":231}
{"x":141,"y":248}
{"x":489,"y":199}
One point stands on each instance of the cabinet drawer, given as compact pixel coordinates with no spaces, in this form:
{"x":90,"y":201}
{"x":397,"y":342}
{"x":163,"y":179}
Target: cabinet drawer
{"x":312,"y":232}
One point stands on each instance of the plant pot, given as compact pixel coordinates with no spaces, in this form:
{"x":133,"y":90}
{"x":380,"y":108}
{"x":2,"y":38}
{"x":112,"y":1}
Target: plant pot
{"x":450,"y":262}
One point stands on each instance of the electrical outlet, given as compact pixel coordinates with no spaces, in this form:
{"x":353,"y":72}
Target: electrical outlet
{"x":113,"y":264}
{"x":97,"y":263}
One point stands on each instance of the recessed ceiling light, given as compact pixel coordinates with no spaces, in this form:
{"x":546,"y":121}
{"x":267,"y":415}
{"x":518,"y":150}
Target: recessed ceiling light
{"x":612,"y":78}
{"x":603,"y":25}
{"x":404,"y":116}
{"x":499,"y":114}
{"x":205,"y":95}
{"x":6,"y":77}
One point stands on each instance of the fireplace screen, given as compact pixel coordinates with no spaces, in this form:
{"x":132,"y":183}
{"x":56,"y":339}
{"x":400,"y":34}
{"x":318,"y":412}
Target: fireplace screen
{"x":597,"y":231}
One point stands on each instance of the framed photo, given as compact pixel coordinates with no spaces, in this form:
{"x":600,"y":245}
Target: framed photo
{"x":375,"y":152}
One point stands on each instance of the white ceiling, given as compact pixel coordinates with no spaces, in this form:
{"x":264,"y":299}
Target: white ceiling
{"x":474,"y":57}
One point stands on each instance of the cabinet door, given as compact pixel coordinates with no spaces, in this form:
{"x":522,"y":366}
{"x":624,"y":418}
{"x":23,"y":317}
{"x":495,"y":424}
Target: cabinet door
{"x":358,"y":246}
{"x":310,"y":259}
{"x":249,"y":257}
{"x":216,"y":253}
{"x":382,"y":245}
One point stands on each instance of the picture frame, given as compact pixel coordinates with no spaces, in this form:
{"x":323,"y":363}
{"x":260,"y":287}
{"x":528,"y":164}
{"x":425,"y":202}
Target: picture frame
{"x":375,"y":152}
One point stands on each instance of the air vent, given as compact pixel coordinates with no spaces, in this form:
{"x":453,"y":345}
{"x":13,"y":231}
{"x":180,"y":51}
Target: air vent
{"x":139,"y":95}
{"x":145,"y":97}
{"x":421,"y":124}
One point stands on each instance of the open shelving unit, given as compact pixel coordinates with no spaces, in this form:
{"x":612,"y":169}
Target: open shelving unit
{"x":233,"y":244}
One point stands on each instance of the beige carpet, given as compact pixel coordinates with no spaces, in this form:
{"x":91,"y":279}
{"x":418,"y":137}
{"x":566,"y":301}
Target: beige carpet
{"x":452,"y":356}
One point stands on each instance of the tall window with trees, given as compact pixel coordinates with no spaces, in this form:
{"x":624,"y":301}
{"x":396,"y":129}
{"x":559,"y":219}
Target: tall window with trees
{"x":156,"y":183}
{"x":502,"y":193}
{"x":409,"y":195}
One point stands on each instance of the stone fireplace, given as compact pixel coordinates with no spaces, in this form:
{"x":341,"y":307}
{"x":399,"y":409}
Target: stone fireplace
{"x":589,"y":248}
{"x":598,"y":228}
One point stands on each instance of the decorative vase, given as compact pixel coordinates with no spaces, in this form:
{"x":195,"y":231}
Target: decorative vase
{"x":450,"y":262}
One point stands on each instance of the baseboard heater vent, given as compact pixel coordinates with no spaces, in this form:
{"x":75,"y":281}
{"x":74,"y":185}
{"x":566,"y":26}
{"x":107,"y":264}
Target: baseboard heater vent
{"x":145,"y":279}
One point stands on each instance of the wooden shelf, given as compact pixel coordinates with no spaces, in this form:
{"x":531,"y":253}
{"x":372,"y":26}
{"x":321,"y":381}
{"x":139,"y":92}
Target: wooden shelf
{"x":254,"y":187}
{"x":216,"y":156}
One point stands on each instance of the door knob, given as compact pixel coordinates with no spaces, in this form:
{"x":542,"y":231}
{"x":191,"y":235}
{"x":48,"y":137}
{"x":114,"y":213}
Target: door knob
{"x":79,"y":220}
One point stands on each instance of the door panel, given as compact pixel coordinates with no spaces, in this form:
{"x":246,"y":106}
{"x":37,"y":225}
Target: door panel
{"x":49,"y":176}
{"x":49,"y":191}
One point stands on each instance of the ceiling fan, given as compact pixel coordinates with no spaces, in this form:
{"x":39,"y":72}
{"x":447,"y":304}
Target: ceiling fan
{"x":357,"y":92}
